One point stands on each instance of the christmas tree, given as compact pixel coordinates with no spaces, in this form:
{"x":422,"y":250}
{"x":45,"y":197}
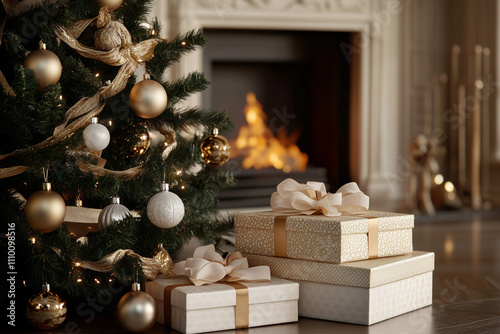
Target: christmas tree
{"x":47,"y":136}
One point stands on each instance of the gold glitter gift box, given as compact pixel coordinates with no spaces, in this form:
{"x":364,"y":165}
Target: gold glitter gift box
{"x":366,"y":235}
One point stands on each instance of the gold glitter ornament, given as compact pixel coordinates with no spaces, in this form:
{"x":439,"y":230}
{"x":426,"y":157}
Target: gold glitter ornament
{"x":136,"y":310}
{"x":46,"y":310}
{"x":148,"y":98}
{"x":132,"y":141}
{"x":215,"y":149}
{"x":45,"y":64}
{"x":45,"y":210}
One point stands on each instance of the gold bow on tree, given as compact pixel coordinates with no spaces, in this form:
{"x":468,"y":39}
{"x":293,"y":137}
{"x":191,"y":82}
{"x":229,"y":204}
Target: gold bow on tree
{"x":115,"y":48}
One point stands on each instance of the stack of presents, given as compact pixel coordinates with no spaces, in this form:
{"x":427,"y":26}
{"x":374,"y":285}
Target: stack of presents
{"x":317,"y":254}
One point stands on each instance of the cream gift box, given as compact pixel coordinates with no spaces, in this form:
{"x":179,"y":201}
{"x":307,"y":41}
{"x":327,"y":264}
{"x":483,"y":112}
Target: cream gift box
{"x":340,"y":239}
{"x":213,"y":307}
{"x":363,"y":292}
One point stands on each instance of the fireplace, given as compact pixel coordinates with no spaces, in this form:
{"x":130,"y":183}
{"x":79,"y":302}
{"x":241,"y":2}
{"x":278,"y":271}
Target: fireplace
{"x":287,"y":94}
{"x":377,"y":101}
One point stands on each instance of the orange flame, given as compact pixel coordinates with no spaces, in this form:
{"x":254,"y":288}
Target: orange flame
{"x":261,"y":148}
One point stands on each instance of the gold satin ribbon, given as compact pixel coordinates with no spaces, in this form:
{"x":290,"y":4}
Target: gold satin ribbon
{"x":167,"y":302}
{"x":241,"y":312}
{"x":373,"y":230}
{"x":242,"y":308}
{"x":280,"y":241}
{"x":280,"y":235}
{"x":372,"y":237}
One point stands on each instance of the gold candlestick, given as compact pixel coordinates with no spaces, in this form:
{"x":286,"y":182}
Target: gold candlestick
{"x":454,"y":116}
{"x":485,"y":128}
{"x":475,"y":161}
{"x":461,"y":136}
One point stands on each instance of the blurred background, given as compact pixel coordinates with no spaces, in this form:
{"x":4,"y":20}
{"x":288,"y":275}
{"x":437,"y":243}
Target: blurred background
{"x":397,"y":95}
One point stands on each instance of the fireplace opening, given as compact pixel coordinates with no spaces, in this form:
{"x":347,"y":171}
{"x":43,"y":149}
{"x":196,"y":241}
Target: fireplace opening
{"x":302,"y":81}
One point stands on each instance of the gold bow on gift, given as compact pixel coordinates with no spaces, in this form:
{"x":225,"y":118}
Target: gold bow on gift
{"x":312,"y":198}
{"x":206,"y":266}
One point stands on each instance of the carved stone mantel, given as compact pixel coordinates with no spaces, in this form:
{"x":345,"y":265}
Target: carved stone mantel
{"x":378,"y":119}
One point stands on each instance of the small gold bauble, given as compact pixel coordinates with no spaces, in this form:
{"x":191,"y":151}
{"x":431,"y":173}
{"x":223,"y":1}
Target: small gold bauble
{"x":45,"y":210}
{"x":45,"y":64}
{"x":111,"y":4}
{"x":140,"y":145}
{"x":148,"y":98}
{"x":136,"y":311}
{"x":215,"y":149}
{"x":133,"y":140}
{"x":46,"y":310}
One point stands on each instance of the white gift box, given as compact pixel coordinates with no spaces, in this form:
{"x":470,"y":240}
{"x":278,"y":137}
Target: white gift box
{"x":361,"y":305}
{"x":363,"y":292}
{"x":212,"y":307}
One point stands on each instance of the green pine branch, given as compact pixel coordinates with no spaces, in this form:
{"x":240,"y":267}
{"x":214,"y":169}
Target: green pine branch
{"x":182,"y":88}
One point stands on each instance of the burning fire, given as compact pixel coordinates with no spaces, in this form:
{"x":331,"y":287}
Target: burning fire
{"x":261,"y":148}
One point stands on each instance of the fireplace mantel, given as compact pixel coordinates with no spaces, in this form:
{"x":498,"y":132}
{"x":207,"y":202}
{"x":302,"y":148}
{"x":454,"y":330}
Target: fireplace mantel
{"x":377,"y":118}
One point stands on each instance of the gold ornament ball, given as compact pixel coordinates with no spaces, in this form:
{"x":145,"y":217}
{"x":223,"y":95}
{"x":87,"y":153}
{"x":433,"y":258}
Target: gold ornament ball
{"x":140,"y":144}
{"x":134,"y":140}
{"x":46,"y":310}
{"x":148,"y":99}
{"x":215,"y":149}
{"x":45,"y":210}
{"x":136,"y":311}
{"x":45,"y":64}
{"x":111,"y":4}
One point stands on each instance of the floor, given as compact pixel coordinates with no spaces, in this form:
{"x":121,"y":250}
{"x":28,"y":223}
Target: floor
{"x":466,"y":292}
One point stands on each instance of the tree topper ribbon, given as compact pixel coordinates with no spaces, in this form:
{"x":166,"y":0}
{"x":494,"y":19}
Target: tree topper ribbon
{"x":312,"y":198}
{"x":207,"y":266}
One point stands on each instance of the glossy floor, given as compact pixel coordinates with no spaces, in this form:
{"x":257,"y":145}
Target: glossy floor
{"x":466,"y":291}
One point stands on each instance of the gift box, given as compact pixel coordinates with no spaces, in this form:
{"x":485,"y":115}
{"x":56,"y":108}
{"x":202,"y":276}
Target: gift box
{"x":345,"y":238}
{"x":224,"y":305}
{"x":364,"y":306}
{"x":363,"y":292}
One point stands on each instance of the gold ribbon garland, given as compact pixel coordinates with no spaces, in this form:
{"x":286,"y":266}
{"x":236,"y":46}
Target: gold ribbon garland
{"x":151,"y":267}
{"x":127,"y":55}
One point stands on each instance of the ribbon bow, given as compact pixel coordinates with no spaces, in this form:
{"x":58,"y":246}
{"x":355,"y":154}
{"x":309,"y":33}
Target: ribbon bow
{"x":207,"y":266}
{"x":312,"y":198}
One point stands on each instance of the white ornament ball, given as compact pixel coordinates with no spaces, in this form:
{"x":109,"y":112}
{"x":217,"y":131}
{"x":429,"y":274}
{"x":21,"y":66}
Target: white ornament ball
{"x":113,"y":213}
{"x":165,"y":209}
{"x":96,"y":136}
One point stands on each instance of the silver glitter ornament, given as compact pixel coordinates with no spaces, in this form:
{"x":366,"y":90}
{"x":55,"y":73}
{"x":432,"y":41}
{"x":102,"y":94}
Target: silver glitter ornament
{"x":165,"y":209}
{"x":113,"y":213}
